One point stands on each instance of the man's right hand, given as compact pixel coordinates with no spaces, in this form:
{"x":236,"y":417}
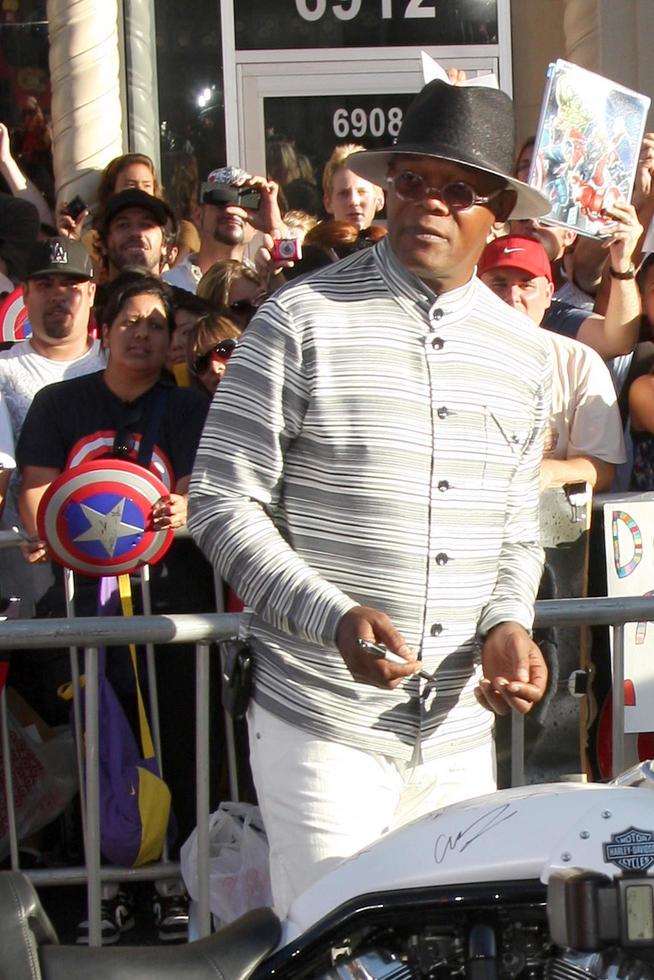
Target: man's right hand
{"x":67,"y":226}
{"x":365,"y":623}
{"x":34,"y":550}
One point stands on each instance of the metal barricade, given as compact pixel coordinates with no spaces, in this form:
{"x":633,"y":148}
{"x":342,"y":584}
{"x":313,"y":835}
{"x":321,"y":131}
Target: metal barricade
{"x":90,"y":633}
{"x":203,"y":630}
{"x":598,"y":611}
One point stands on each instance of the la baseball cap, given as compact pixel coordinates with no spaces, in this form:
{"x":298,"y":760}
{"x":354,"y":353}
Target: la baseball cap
{"x":59,"y":256}
{"x":132,"y":197}
{"x":515,"y":252}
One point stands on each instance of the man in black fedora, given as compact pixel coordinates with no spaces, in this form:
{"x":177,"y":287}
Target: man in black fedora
{"x":369,"y":472}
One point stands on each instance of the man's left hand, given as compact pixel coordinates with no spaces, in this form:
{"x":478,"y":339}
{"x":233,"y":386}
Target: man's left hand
{"x":267,"y":217}
{"x":515,"y":673}
{"x":624,"y":235}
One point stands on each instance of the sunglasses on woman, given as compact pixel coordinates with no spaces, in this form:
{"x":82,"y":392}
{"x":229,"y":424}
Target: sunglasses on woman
{"x":244,"y":309}
{"x":221,"y":352}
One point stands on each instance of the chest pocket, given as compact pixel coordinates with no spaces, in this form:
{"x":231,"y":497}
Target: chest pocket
{"x":488,"y":446}
{"x":507,"y":439}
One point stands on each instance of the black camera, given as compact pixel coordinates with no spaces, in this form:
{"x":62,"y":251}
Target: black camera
{"x":224,"y":194}
{"x":75,"y":207}
{"x":237,"y":677}
{"x":250,"y":198}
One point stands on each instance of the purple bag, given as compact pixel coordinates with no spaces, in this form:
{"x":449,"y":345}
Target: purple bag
{"x":135,"y":811}
{"x":134,"y":799}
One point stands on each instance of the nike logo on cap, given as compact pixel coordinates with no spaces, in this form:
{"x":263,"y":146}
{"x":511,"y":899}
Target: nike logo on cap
{"x":508,"y":250}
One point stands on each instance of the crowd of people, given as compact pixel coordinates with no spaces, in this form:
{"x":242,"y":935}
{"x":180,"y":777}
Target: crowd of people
{"x":354,"y":415}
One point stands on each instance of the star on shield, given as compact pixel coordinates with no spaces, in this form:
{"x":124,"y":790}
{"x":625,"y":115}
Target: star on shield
{"x":107,"y":528}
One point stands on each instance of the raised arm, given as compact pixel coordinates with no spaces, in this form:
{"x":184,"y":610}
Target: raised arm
{"x":617,"y":331}
{"x":18,"y":183}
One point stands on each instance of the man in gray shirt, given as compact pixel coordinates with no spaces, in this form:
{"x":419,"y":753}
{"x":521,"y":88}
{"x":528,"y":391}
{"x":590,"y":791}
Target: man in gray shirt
{"x":369,"y":472}
{"x":59,"y":293}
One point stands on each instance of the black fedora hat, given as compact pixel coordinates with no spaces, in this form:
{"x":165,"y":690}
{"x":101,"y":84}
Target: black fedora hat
{"x":470,"y":125}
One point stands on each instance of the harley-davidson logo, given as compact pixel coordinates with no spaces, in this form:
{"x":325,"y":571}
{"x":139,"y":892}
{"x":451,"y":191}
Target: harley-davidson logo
{"x":631,"y":850}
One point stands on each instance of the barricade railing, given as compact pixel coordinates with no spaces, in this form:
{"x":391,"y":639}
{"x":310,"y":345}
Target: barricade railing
{"x":89,"y":633}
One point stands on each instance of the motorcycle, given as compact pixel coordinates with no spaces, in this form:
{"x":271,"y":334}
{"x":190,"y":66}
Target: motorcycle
{"x":547,"y":881}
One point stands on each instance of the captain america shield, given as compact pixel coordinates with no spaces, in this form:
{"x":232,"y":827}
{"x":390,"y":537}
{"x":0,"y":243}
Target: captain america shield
{"x":96,"y":518}
{"x":14,"y":324}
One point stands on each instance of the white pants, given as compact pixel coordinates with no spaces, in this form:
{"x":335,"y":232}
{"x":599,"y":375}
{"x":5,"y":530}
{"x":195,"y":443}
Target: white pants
{"x":322,"y":801}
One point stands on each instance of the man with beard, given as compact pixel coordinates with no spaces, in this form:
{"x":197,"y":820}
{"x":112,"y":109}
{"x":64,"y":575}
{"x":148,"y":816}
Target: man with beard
{"x":133,"y":232}
{"x":233,"y":205}
{"x":59,"y":293}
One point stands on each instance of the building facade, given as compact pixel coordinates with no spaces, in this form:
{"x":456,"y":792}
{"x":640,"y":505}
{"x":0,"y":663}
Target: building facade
{"x":272,"y":85}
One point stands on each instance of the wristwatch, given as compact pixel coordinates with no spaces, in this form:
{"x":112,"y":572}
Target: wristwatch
{"x":630,"y":273}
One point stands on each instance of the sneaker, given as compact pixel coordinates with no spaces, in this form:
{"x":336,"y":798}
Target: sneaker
{"x":116,"y":917}
{"x":171,"y":917}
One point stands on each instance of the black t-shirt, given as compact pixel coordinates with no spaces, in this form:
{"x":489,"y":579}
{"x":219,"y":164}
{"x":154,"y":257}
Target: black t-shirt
{"x":642,"y":362}
{"x":564,"y":318}
{"x":77,"y":420}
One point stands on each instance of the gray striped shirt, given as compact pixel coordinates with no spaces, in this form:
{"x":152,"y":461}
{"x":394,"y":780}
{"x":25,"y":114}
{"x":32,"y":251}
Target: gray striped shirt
{"x":373,"y":444}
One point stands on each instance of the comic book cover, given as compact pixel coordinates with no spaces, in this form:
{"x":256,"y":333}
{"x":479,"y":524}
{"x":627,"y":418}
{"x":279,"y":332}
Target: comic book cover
{"x":587,"y":146}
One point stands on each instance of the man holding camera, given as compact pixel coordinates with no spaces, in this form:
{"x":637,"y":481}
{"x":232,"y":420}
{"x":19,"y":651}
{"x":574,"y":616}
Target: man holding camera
{"x":233,"y":205}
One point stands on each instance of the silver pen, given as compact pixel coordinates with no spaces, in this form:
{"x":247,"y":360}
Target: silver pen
{"x":381,"y":652}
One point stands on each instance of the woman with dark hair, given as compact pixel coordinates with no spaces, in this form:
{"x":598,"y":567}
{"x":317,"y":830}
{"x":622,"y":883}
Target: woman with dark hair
{"x":138,"y":323}
{"x":112,"y":413}
{"x":523,"y":159}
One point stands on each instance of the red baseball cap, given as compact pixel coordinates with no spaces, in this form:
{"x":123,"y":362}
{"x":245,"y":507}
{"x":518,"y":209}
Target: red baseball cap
{"x":515,"y":252}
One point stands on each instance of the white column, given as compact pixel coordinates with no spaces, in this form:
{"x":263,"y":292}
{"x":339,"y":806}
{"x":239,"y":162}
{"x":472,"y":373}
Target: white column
{"x":613,"y":38}
{"x":86,"y":97}
{"x":582,"y":33}
{"x":140,"y":42}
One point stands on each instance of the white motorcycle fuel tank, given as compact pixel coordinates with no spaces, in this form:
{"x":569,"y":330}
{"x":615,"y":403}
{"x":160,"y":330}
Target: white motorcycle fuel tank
{"x":517,"y":834}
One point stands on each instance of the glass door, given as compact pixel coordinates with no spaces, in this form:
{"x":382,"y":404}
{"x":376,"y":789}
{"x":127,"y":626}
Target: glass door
{"x":293,"y":115}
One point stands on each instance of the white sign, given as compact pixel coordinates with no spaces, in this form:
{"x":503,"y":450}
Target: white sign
{"x":629,"y":546}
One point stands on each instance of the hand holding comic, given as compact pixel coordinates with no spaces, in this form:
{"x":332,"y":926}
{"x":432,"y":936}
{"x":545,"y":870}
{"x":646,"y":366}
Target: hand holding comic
{"x":624,"y":235}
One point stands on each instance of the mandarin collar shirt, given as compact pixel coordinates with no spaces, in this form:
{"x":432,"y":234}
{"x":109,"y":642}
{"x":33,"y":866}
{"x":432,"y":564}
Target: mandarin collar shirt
{"x":375,"y":444}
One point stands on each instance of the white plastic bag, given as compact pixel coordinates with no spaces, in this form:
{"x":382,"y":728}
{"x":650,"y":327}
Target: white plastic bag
{"x":239,"y":875}
{"x":44,"y":778}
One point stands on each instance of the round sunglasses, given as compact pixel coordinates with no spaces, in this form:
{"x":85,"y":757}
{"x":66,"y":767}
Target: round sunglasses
{"x":458,"y":196}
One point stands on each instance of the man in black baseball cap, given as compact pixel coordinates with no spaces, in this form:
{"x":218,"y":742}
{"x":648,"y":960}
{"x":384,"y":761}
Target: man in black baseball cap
{"x":133,"y":230}
{"x":59,"y":293}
